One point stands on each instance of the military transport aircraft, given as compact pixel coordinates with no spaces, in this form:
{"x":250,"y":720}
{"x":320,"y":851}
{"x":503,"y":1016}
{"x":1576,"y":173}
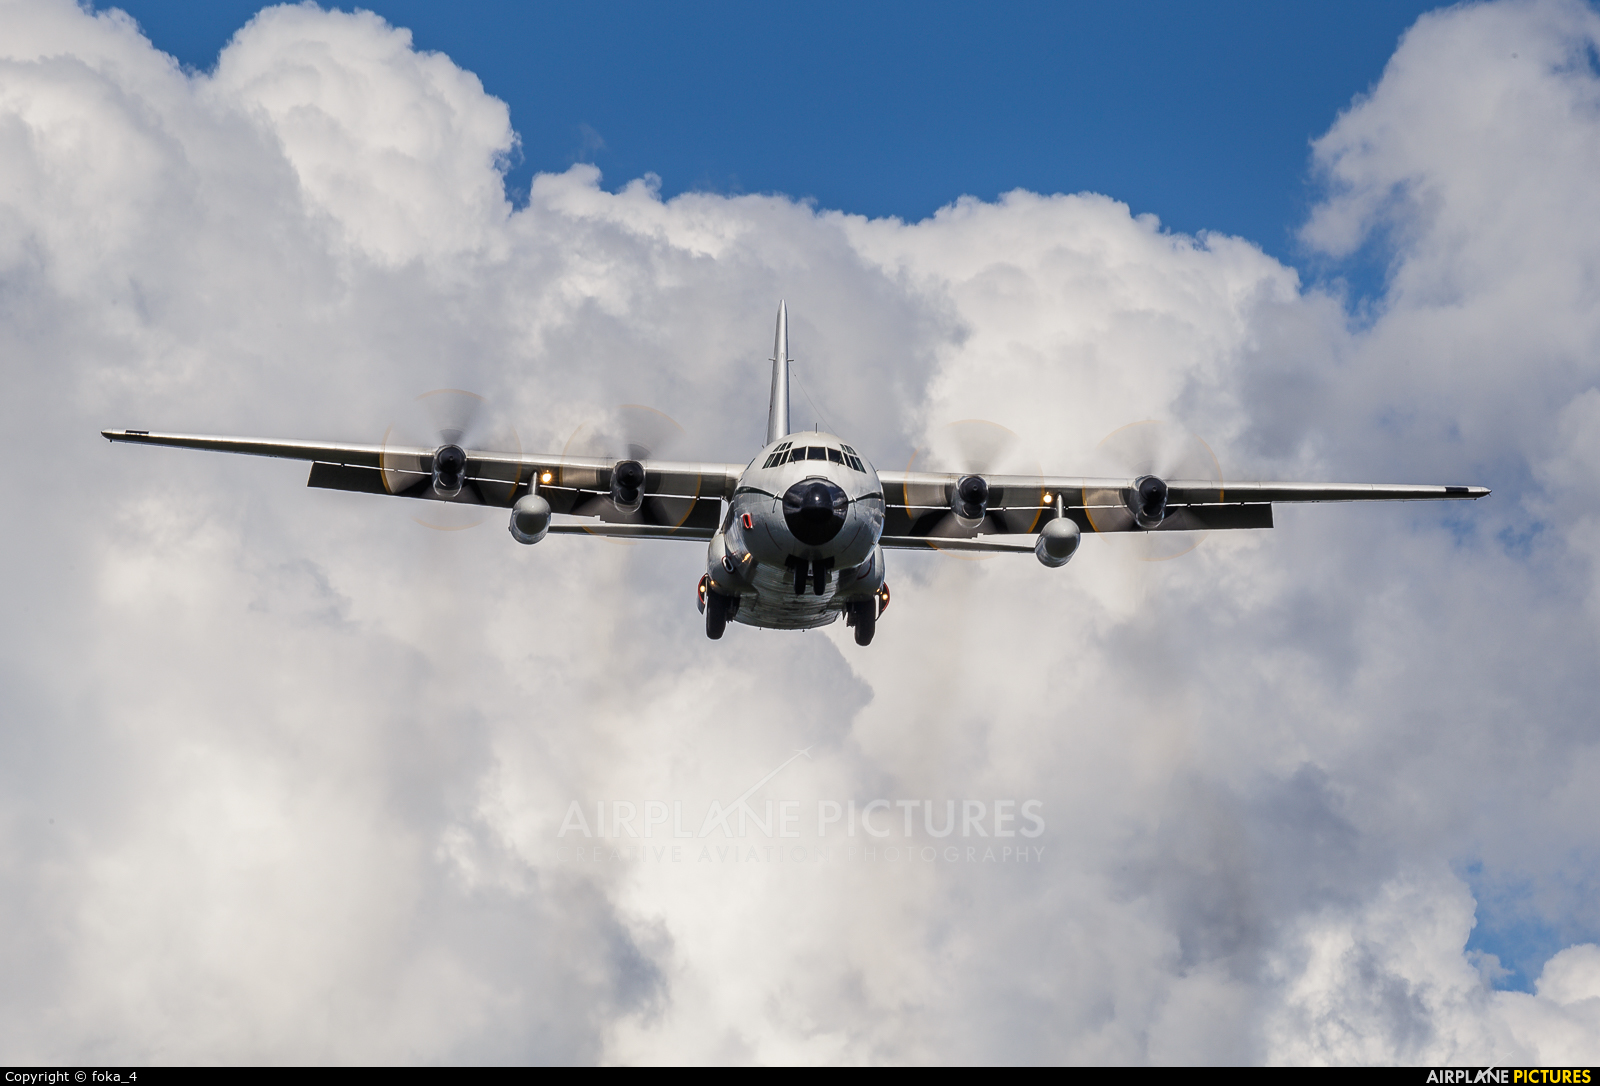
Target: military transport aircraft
{"x":797,"y":535}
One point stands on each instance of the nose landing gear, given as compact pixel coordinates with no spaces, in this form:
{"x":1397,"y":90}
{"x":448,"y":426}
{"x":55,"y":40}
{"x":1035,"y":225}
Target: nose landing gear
{"x":816,"y":572}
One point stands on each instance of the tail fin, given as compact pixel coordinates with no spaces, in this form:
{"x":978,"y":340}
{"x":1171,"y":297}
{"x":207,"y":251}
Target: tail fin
{"x":778,"y":412}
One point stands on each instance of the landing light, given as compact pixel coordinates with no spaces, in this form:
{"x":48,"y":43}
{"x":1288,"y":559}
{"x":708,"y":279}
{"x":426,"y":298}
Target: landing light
{"x":545,"y":478}
{"x":1046,"y":495}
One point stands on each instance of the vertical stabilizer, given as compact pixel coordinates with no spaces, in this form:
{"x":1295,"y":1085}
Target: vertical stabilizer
{"x":778,"y":412}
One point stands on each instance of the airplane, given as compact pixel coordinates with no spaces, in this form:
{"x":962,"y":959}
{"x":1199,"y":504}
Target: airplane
{"x":796,"y":537}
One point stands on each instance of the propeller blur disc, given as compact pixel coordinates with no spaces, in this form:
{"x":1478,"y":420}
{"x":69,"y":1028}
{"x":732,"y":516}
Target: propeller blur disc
{"x":1167,"y":451}
{"x":446,"y":416}
{"x":973,"y":447}
{"x":629,"y":431}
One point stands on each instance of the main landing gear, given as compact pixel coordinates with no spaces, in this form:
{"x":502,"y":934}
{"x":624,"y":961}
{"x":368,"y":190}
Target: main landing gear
{"x":717,"y":607}
{"x":864,"y":617}
{"x":863,"y":614}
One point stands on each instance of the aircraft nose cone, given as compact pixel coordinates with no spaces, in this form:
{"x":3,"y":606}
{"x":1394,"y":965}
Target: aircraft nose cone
{"x":814,"y":510}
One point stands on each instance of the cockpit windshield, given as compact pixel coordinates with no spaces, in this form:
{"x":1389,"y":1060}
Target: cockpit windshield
{"x":785,"y":454}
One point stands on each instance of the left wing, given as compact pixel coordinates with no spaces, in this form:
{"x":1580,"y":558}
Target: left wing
{"x":919,"y":505}
{"x":682,"y":498}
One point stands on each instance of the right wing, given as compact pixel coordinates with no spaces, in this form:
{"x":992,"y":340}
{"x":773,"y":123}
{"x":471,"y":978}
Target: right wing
{"x":683,"y":498}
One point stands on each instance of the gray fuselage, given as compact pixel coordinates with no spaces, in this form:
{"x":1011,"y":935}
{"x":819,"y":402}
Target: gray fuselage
{"x":799,"y":542}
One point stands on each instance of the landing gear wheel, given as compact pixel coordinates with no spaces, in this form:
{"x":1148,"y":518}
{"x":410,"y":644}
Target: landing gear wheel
{"x":866,"y":623}
{"x":716,"y":614}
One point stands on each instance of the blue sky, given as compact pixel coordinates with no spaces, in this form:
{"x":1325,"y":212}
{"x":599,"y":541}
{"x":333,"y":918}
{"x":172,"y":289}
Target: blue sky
{"x":1199,"y":114}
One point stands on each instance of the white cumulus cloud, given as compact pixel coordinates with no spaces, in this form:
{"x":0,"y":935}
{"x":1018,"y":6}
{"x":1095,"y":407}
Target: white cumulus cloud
{"x":284,"y":772}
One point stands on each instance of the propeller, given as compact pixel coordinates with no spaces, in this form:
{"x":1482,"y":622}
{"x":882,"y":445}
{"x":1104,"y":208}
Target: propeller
{"x":629,"y":437}
{"x":425,"y":453}
{"x":976,"y":450}
{"x":1152,"y":454}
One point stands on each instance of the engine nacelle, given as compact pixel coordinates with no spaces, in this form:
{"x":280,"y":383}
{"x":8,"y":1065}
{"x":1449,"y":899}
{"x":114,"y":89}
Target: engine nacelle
{"x":1147,"y":501}
{"x":530,"y":519}
{"x":969,"y":501}
{"x":449,"y":470}
{"x":1058,"y":542}
{"x":627,"y":485}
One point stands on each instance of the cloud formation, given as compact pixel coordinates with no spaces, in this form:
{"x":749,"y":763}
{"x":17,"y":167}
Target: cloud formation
{"x":285,"y":773}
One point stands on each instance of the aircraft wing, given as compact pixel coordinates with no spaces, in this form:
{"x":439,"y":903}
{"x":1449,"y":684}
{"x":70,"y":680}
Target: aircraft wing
{"x":918,"y":505}
{"x":682,"y":498}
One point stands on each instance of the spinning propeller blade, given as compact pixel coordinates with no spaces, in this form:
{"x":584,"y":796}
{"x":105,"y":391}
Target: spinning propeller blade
{"x":974,"y":449}
{"x":1155,"y":450}
{"x":631,"y":434}
{"x":419,"y":456}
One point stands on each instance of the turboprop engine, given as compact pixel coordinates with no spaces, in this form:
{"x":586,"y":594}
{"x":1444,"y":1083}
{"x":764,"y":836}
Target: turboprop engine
{"x":969,"y":500}
{"x":627,"y":485}
{"x":1147,"y":501}
{"x":530,"y":519}
{"x":449,"y":470}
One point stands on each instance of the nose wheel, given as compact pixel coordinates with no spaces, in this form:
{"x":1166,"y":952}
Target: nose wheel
{"x":815,"y":572}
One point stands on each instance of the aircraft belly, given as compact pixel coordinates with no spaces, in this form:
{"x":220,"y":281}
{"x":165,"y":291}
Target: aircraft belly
{"x":775,"y":606}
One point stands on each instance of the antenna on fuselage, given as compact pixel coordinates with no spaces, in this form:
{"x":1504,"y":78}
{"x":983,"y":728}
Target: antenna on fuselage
{"x":778,"y":411}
